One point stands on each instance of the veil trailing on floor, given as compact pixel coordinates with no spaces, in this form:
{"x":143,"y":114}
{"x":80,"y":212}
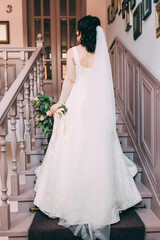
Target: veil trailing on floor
{"x":95,"y":144}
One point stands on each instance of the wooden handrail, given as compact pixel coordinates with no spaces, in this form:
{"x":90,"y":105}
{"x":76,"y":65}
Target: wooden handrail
{"x":142,"y":65}
{"x":28,"y":49}
{"x":12,"y":93}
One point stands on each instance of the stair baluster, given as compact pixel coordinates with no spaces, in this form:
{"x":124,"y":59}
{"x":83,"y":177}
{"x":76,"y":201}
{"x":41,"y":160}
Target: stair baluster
{"x":39,"y":43}
{"x":5,"y":58}
{"x":5,"y":207}
{"x":28,"y":125}
{"x":14,"y":176}
{"x":22,"y":59}
{"x":31,"y":107}
{"x":41,"y":75}
{"x":22,"y":156}
{"x":35,"y":80}
{"x":38,"y":75}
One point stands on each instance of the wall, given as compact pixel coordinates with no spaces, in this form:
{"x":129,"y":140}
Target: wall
{"x":146,"y":48}
{"x":97,"y":8}
{"x":16,"y":22}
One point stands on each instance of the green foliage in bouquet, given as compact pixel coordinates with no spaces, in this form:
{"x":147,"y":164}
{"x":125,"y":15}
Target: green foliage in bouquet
{"x":42,"y":104}
{"x":43,"y":115}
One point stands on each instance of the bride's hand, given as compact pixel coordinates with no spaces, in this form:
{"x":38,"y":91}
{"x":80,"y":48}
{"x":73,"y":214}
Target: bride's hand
{"x":54,"y":108}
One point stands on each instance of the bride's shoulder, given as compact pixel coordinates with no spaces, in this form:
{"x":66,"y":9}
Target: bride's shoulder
{"x":70,"y":55}
{"x":70,"y":51}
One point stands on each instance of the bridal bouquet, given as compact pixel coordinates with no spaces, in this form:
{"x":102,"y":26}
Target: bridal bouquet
{"x":42,"y":114}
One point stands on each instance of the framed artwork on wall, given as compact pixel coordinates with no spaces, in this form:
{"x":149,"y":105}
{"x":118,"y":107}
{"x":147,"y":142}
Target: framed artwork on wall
{"x":119,"y":7}
{"x":146,"y":8}
{"x":116,"y":6}
{"x":4,"y":32}
{"x":113,"y":15}
{"x":157,"y":20}
{"x":133,"y":3}
{"x":123,"y":8}
{"x":108,"y":14}
{"x":128,"y":17}
{"x":137,"y":21}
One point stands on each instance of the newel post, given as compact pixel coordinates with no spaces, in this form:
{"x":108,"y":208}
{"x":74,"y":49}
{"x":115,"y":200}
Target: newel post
{"x":5,"y":207}
{"x":39,"y":41}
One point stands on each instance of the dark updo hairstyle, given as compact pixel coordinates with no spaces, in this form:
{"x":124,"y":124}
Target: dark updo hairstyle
{"x":87,"y":27}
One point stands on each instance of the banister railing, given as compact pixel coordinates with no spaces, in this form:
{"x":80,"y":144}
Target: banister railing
{"x":12,"y":93}
{"x":138,"y":96}
{"x":8,"y":53}
{"x":16,"y":101}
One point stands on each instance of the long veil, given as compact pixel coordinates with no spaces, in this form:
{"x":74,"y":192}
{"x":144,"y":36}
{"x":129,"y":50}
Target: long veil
{"x":95,"y":148}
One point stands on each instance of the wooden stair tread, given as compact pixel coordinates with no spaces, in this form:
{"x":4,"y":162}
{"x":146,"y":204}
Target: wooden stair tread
{"x":119,"y":122}
{"x":127,"y":148}
{"x":26,"y":193}
{"x":150,"y":220}
{"x":20,"y":223}
{"x":37,"y":151}
{"x":30,"y":169}
{"x":145,"y":193}
{"x":138,"y":168}
{"x":39,"y":136}
{"x":123,"y":134}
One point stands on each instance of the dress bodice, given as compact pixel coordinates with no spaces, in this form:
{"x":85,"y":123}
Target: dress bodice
{"x":81,"y":73}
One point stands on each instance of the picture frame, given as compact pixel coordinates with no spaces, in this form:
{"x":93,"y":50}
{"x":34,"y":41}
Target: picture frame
{"x":109,"y":15}
{"x":119,"y":7}
{"x":157,"y":15}
{"x":112,"y":3}
{"x":123,"y":8}
{"x":116,"y":6}
{"x":128,"y":17}
{"x":137,"y":21}
{"x":146,"y":8}
{"x":133,"y":4}
{"x":113,"y":15}
{"x":4,"y":32}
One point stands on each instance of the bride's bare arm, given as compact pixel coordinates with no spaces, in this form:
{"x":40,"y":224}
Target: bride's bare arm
{"x":68,"y":82}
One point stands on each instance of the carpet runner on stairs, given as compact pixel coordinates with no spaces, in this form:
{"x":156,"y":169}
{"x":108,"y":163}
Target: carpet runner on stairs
{"x":130,"y":227}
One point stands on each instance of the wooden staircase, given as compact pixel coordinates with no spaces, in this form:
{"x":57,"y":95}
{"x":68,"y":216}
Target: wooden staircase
{"x":21,"y":220}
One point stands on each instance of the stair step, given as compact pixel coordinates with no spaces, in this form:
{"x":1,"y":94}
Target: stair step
{"x":20,"y":223}
{"x":123,"y":134}
{"x":119,"y":122}
{"x":37,"y":151}
{"x":145,"y":193}
{"x":139,"y":169}
{"x":26,"y":193}
{"x":127,"y":149}
{"x":39,"y":136}
{"x":150,"y":220}
{"x":30,"y":169}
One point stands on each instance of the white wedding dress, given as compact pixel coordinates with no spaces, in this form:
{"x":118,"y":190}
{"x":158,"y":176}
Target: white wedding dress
{"x":85,"y":179}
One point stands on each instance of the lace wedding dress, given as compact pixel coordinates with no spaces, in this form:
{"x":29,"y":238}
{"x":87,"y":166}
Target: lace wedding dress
{"x":85,"y":179}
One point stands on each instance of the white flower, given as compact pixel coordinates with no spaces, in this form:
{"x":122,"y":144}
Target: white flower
{"x":41,"y":118}
{"x":34,"y":99}
{"x":49,"y":113}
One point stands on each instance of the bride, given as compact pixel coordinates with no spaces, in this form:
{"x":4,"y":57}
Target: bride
{"x":85,"y":179}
